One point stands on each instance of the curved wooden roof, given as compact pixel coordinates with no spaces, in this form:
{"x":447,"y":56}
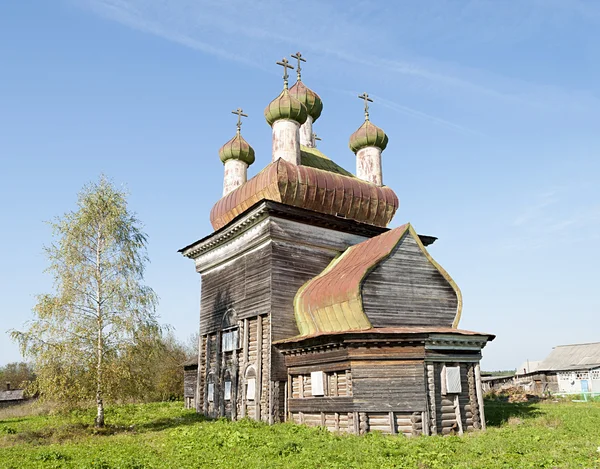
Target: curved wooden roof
{"x":313,"y":189}
{"x":332,"y":301}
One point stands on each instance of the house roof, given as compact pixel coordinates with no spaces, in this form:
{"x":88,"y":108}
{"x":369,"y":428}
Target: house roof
{"x":572,"y":357}
{"x":528,"y":366}
{"x":319,"y":190}
{"x":12,"y":395}
{"x":191,"y":363}
{"x":332,"y":301}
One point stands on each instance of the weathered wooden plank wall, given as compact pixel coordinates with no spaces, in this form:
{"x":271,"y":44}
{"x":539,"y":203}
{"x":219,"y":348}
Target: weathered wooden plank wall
{"x":394,"y":386}
{"x":415,"y":292}
{"x":244,"y":285}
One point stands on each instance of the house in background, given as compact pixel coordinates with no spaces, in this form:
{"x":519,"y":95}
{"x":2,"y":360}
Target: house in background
{"x":568,"y":369}
{"x":10,"y":397}
{"x":312,"y":309}
{"x":527,"y":367}
{"x":576,"y":368}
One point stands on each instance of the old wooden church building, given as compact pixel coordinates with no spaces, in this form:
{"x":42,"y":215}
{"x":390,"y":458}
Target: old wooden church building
{"x":312,"y":309}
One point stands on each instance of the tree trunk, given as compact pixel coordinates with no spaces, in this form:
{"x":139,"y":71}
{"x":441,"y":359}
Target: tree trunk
{"x":100,"y":347}
{"x":99,"y":402}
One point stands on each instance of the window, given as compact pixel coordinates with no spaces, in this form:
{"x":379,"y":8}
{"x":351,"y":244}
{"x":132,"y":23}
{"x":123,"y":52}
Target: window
{"x":451,"y":379}
{"x":316,"y":382}
{"x":230,"y":341}
{"x":227,"y":396}
{"x":211,"y":392}
{"x":251,"y":389}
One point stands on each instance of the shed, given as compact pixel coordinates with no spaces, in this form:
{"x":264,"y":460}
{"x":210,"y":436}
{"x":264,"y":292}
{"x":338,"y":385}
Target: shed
{"x":190,"y":378}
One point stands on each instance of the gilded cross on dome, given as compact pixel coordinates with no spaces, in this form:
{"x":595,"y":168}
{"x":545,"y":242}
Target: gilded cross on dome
{"x":299,"y":58}
{"x":368,"y":100}
{"x":240,"y":113}
{"x":285,"y":64}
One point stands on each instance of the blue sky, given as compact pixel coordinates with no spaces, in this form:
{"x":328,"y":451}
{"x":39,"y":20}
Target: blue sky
{"x":492,"y":110}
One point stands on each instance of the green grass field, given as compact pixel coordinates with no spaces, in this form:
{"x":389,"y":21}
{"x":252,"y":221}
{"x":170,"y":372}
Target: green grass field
{"x":163,"y":435}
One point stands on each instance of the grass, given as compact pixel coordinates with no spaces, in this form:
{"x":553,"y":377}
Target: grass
{"x":164,"y":435}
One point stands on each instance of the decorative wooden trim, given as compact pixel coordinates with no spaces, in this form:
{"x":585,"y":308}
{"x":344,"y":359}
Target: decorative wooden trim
{"x":259,"y":352}
{"x":458,"y":414}
{"x":479,"y":395}
{"x":199,"y":379}
{"x":205,"y":377}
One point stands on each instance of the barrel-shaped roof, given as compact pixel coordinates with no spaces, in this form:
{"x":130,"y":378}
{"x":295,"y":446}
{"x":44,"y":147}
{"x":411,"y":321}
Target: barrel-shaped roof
{"x":313,"y":189}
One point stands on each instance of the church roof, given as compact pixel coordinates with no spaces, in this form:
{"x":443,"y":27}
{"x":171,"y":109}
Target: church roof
{"x":315,"y":159}
{"x":322,"y":191}
{"x":332,"y":301}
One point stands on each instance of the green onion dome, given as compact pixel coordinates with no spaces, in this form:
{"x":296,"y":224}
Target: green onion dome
{"x":368,"y":135}
{"x":309,"y":98}
{"x":237,"y":149}
{"x":285,"y":106}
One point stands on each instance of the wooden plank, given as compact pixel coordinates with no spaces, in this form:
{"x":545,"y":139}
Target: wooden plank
{"x":416,"y":293}
{"x":259,"y":387}
{"x":458,"y":415}
{"x":479,"y":395}
{"x":204,"y":378}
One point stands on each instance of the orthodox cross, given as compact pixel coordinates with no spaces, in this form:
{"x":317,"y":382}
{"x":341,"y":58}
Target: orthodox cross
{"x":314,"y":136}
{"x":299,"y":58}
{"x":285,"y":64}
{"x":368,"y":100}
{"x":240,"y":113}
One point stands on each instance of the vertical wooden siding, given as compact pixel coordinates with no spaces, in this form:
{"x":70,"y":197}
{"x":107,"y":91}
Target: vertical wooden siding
{"x":416,"y":293}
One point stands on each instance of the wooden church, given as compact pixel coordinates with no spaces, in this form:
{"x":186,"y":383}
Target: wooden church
{"x":312,"y":309}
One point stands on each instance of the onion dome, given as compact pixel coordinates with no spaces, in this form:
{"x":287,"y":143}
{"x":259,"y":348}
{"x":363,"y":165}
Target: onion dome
{"x":309,"y":98}
{"x":368,"y":135}
{"x":237,"y":149}
{"x":285,"y":106}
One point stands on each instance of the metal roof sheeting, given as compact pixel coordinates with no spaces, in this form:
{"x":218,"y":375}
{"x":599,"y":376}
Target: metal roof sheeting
{"x":572,"y":357}
{"x":313,"y":189}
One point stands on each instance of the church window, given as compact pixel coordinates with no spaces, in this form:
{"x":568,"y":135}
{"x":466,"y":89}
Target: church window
{"x":227,"y":395}
{"x":229,"y":326}
{"x":211,"y":392}
{"x":251,"y":389}
{"x":317,"y":380}
{"x":250,"y":384}
{"x":230,"y":340}
{"x":451,"y":379}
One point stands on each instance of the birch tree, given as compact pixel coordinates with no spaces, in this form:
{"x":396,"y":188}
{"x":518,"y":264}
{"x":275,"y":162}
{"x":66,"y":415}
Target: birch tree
{"x":100,"y":303}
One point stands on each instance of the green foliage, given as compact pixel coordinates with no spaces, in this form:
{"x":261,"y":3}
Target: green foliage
{"x":100,"y":305}
{"x":18,"y":374}
{"x":163,"y":435}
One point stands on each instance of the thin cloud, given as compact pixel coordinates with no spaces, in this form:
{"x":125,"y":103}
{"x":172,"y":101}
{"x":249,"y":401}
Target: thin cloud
{"x":190,"y":23}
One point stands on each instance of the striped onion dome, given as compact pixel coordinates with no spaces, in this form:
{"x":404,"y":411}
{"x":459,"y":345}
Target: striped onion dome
{"x":237,"y":149}
{"x":285,"y":106}
{"x":312,"y":101}
{"x":368,"y":135}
